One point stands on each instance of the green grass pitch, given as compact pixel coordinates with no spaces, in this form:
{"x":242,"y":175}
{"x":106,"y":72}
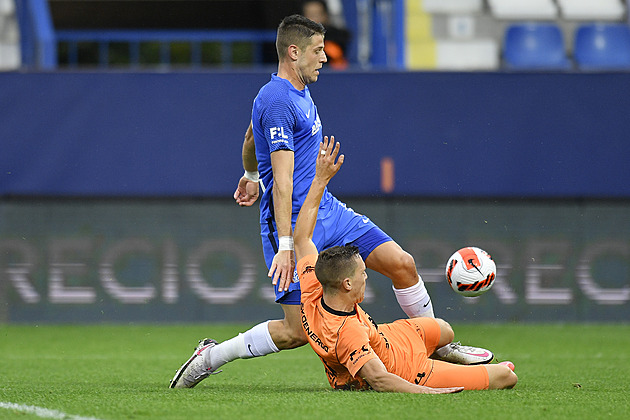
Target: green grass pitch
{"x":576,"y":371}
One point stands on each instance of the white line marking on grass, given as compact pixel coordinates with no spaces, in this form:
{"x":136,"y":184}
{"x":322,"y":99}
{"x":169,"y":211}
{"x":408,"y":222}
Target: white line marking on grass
{"x":42,"y":412}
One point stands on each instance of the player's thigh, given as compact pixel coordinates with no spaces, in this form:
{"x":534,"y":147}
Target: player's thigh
{"x":391,"y":260}
{"x":444,"y":375}
{"x":434,"y":332}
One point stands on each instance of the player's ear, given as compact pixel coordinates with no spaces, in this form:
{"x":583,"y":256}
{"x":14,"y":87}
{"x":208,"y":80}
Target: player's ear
{"x":346,"y":284}
{"x":294,"y":52}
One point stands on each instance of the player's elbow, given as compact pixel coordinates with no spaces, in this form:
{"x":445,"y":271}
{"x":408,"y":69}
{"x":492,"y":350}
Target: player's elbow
{"x":302,"y":247}
{"x":501,"y":377}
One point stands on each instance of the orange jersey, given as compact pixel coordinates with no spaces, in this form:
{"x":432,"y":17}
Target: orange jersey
{"x":345,"y":341}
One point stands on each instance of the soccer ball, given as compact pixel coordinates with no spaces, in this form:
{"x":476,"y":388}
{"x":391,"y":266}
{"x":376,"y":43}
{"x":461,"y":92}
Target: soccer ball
{"x":471,"y":271}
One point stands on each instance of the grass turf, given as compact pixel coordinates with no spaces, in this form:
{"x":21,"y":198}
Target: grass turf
{"x":122,"y":372}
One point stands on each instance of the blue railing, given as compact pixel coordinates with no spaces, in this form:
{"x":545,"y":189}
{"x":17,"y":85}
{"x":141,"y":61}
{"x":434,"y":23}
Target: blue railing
{"x":37,"y":34}
{"x":377,"y":27}
{"x":227,"y":39}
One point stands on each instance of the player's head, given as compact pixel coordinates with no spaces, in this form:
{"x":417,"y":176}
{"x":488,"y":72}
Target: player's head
{"x":341,"y":269}
{"x":300,"y":41}
{"x":296,"y":30}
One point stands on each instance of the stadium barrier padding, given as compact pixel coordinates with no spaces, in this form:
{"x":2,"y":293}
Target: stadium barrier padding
{"x":447,"y":134}
{"x":201,"y":260}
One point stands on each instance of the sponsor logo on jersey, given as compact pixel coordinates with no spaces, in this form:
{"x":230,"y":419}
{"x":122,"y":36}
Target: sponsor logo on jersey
{"x":277,"y":135}
{"x":310,"y":334}
{"x":358,"y":354}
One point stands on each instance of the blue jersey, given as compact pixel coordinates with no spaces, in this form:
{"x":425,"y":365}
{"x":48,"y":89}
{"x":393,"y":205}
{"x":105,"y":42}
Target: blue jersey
{"x":284,"y":118}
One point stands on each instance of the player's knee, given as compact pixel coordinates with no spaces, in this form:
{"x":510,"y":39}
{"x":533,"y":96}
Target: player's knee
{"x":446,"y":332}
{"x":405,"y":266}
{"x":408,"y":263}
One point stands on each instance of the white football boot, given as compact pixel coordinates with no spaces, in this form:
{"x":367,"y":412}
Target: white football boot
{"x":464,"y":355}
{"x":195,"y":369}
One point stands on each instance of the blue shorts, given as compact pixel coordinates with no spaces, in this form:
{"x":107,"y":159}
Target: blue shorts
{"x":337,"y":224}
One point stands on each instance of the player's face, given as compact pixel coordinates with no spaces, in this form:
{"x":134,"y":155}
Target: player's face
{"x":358,"y":280}
{"x":311,"y":59}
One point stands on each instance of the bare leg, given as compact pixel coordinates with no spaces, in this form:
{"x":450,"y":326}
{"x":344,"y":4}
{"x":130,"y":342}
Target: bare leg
{"x":392,"y":261}
{"x":288,"y":333}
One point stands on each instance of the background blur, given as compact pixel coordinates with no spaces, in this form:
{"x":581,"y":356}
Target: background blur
{"x":502,"y":124}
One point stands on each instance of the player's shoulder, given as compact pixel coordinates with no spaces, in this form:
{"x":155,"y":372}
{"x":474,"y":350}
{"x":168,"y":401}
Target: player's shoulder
{"x":350,"y":331}
{"x":305,"y":269}
{"x":274,"y":91}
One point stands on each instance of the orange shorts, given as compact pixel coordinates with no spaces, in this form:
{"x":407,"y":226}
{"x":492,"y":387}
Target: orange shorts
{"x":438,"y":374}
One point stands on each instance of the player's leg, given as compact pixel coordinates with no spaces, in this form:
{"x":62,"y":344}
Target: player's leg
{"x":265,"y":338}
{"x":338,"y":224}
{"x":434,"y":332}
{"x":437,"y":333}
{"x":342,"y":226}
{"x":392,"y":261}
{"x":438,"y":336}
{"x":443,"y":374}
{"x":288,"y":333}
{"x":446,"y":335}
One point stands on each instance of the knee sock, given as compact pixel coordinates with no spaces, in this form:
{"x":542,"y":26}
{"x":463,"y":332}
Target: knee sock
{"x":415,"y":300}
{"x":252,"y":343}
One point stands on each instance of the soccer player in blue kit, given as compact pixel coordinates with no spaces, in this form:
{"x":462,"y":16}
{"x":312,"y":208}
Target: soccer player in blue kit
{"x":279,"y":155}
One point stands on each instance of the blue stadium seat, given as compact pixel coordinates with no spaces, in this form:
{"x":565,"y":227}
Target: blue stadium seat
{"x":600,"y":46}
{"x":535,"y":46}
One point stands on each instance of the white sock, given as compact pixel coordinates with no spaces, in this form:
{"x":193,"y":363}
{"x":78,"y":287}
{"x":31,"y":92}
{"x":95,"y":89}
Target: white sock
{"x":415,"y":300}
{"x":252,"y":343}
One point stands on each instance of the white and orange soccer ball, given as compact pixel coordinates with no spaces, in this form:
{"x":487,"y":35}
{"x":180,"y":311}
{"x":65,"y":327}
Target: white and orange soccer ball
{"x":471,"y":271}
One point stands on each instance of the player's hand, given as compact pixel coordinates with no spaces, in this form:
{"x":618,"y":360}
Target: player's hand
{"x":327,"y":164}
{"x":246,"y":193}
{"x":452,"y":390}
{"x":281,"y":270}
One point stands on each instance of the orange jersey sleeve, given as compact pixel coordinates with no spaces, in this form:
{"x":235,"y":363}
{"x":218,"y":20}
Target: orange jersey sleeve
{"x":353,"y":346}
{"x":306,"y":273}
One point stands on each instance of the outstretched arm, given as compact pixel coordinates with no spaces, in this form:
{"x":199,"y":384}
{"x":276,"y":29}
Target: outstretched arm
{"x":247,"y":190}
{"x":326,"y":167}
{"x":283,"y":263}
{"x":375,"y":373}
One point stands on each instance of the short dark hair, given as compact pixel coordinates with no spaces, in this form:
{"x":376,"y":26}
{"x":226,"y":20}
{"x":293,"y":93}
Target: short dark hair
{"x":335,"y":264}
{"x":296,"y":30}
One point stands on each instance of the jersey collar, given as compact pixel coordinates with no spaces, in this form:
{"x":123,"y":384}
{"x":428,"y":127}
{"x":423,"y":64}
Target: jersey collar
{"x":274,"y":76}
{"x":336,"y":312}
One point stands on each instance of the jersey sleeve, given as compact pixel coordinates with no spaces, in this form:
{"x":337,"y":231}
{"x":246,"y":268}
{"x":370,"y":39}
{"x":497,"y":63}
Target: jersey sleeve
{"x":278,"y":124}
{"x":353,"y":348}
{"x":306,"y":273}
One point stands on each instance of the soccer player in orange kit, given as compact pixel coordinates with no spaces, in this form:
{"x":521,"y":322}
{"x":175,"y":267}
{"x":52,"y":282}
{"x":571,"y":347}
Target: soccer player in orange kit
{"x":356,"y":352}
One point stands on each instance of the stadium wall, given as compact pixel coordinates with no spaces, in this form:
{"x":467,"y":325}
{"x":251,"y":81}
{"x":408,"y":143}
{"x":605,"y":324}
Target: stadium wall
{"x":446,"y":135}
{"x":116,"y":192}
